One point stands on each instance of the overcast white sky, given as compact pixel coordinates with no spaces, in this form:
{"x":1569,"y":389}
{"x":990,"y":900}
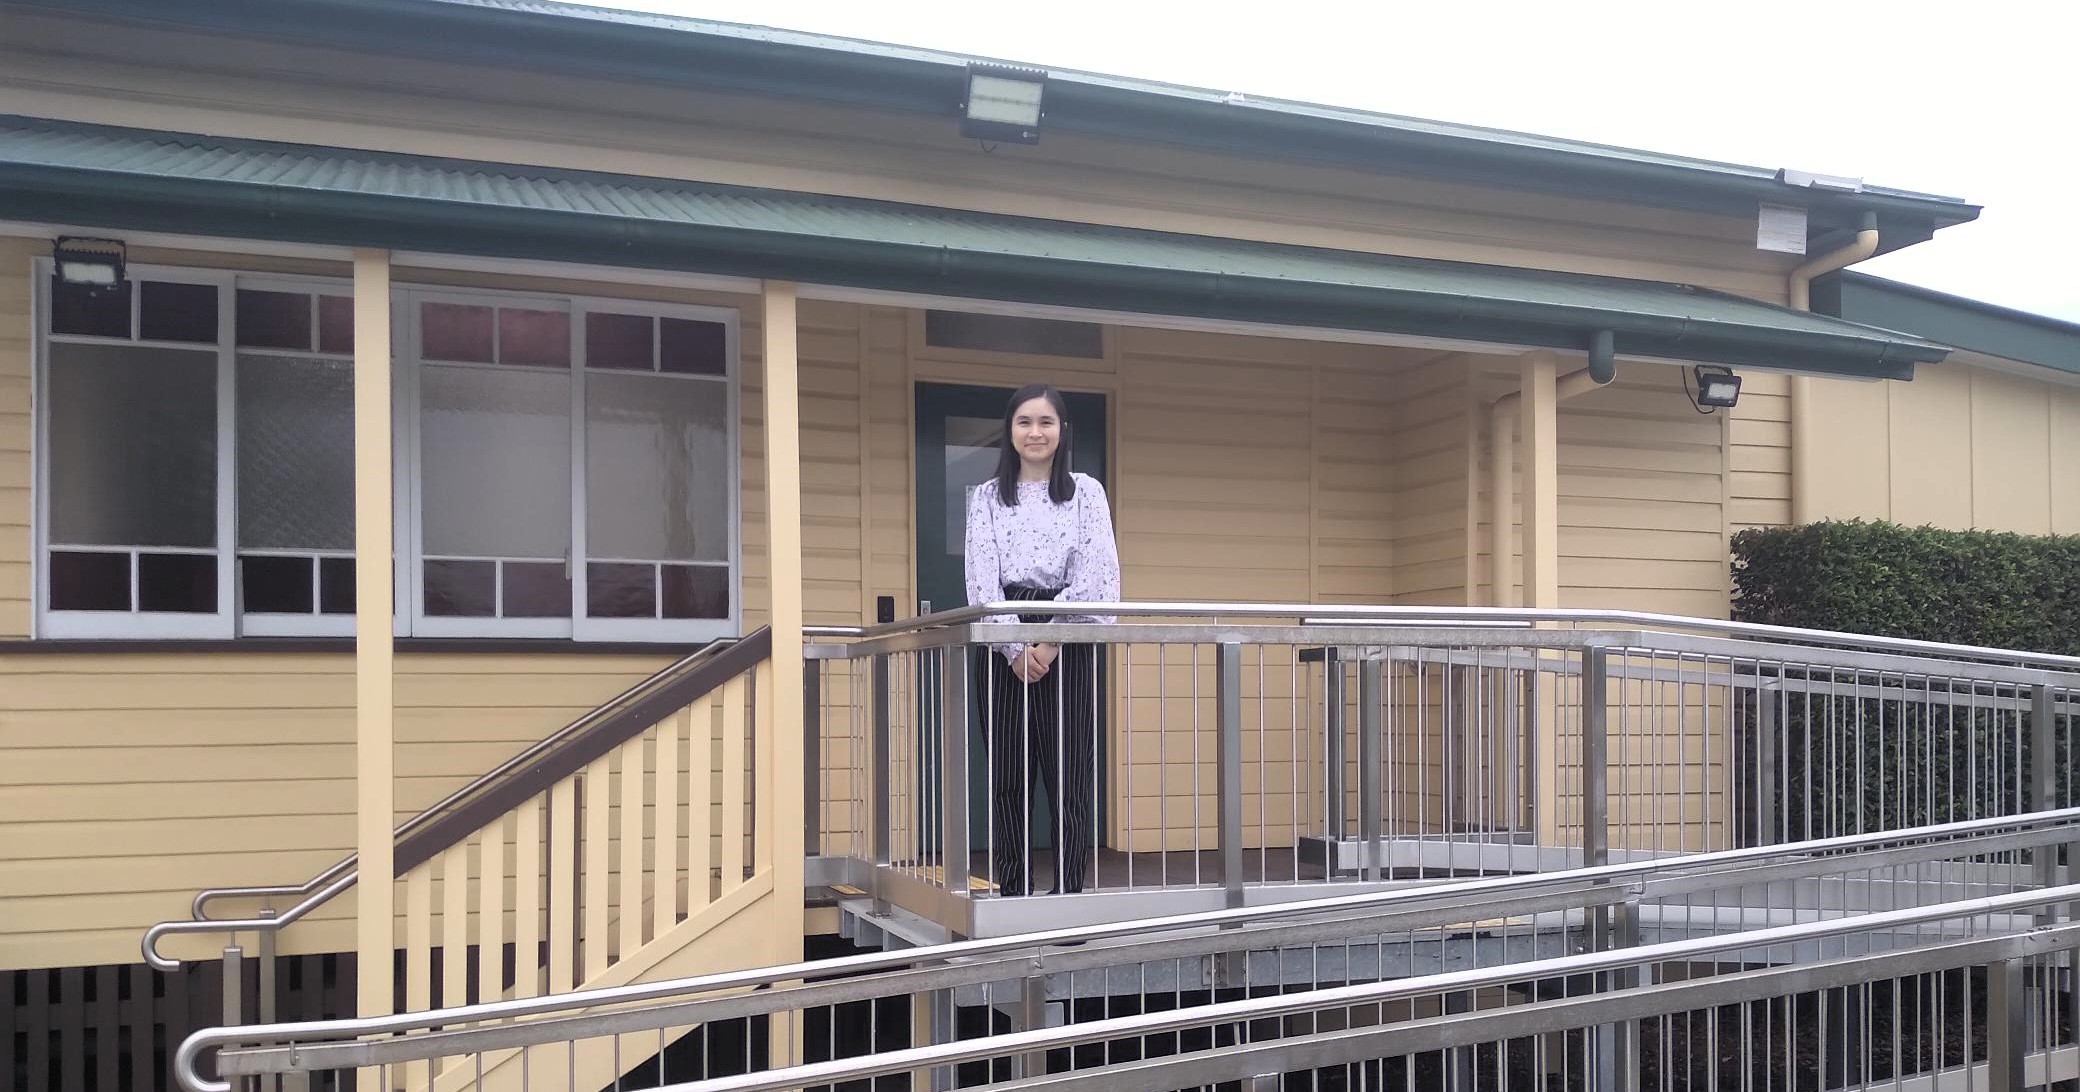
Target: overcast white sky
{"x":1976,"y":100}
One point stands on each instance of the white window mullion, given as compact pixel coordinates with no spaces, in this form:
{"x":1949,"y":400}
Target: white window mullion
{"x":39,"y":445}
{"x":574,"y":562}
{"x":227,"y":459}
{"x":404,"y":462}
{"x":733,"y":386}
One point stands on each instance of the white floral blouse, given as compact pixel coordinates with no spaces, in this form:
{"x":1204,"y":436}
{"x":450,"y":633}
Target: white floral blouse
{"x":1038,"y":543}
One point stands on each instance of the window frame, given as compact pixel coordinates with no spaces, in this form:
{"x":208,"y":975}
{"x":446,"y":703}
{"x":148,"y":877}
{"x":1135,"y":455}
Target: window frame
{"x":94,"y":625}
{"x":230,"y":620}
{"x":586,"y":627}
{"x":922,"y":349}
{"x":317,"y":623}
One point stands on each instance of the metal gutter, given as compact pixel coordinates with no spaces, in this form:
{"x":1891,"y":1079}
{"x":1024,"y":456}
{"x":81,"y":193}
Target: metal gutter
{"x":694,"y":53}
{"x":156,"y":202}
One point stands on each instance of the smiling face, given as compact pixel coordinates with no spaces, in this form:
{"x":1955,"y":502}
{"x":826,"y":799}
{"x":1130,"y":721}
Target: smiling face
{"x":1036,"y":433}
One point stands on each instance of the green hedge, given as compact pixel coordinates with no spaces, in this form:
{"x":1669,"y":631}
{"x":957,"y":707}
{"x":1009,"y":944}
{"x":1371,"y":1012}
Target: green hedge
{"x":1964,"y":587}
{"x":1846,"y":763}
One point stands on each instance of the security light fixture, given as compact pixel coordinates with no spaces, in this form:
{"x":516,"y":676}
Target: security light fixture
{"x":90,"y":265}
{"x":1717,"y":388}
{"x":1003,"y":104}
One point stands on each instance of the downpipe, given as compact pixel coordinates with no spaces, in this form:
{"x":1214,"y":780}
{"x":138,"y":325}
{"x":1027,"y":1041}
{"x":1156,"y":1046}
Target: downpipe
{"x":1799,"y":292}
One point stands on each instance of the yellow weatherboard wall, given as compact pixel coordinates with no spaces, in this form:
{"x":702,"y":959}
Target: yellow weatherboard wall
{"x":1965,"y":445}
{"x":130,"y":781}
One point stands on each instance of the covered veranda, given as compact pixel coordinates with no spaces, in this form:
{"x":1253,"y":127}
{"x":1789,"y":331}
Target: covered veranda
{"x":381,"y":211}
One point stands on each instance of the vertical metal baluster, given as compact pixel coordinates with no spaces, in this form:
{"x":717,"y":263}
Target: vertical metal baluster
{"x":1370,"y":671}
{"x":1198,"y":822}
{"x":814,"y":787}
{"x":1228,"y":769}
{"x":1163,"y":762}
{"x":1448,"y":709}
{"x":1478,"y":764}
{"x":1127,"y":766}
{"x":883,"y":813}
{"x":953,"y":781}
{"x":1333,"y":830}
{"x":1101,"y":655}
{"x":1293,"y":763}
{"x":1057,"y":792}
{"x":1421,"y":665}
{"x":1263,"y":780}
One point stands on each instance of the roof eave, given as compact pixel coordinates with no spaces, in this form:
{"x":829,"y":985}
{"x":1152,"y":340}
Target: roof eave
{"x":123,"y":201}
{"x":920,"y":85}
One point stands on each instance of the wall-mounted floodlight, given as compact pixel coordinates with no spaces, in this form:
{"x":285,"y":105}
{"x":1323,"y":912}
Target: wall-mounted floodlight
{"x":89,"y":264}
{"x":1003,"y":104}
{"x":1717,"y":388}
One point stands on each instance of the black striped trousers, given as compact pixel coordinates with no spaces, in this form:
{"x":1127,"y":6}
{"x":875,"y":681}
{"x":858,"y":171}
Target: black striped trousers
{"x":1042,"y":740}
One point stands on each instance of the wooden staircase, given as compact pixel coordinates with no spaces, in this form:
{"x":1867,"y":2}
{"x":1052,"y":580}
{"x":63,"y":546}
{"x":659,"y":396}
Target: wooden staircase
{"x":641,"y":853}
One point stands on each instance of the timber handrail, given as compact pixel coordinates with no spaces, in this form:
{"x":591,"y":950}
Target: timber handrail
{"x":345,"y":865}
{"x":463,"y":811}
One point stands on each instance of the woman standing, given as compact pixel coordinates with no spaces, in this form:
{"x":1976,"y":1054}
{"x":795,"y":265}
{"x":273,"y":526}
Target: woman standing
{"x":1036,"y":531}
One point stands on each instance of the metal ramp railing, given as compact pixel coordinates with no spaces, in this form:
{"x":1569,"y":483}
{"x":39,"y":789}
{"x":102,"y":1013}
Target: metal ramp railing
{"x":1257,"y":753}
{"x":1895,"y":957}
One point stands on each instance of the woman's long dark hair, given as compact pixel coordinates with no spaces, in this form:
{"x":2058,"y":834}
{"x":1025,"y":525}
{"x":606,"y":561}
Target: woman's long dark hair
{"x":1061,"y":488}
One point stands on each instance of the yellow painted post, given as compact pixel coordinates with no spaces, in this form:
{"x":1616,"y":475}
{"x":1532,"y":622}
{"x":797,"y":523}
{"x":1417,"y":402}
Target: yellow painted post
{"x":374,"y":732}
{"x":1538,"y":429}
{"x":1538,"y":457}
{"x":783,"y":778}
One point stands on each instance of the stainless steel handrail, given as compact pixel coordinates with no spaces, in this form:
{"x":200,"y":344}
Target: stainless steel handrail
{"x":1471,"y":894}
{"x":1472,"y":615}
{"x":275,"y":924}
{"x":1386,"y":991}
{"x":340,"y":876}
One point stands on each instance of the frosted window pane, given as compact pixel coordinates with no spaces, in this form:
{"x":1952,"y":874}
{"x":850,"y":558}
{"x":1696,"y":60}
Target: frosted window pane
{"x":657,"y":468}
{"x":295,"y":453}
{"x":972,"y":444}
{"x":133,"y":446}
{"x":495,"y":463}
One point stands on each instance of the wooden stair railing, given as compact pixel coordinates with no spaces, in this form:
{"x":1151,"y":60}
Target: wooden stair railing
{"x":534,"y":904}
{"x":545,"y":880}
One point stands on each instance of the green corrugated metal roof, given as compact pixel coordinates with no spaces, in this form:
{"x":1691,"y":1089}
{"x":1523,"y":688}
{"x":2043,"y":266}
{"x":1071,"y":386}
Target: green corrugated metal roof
{"x":72,"y":173}
{"x":676,"y":51}
{"x":686,"y":24}
{"x":1956,"y":321}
